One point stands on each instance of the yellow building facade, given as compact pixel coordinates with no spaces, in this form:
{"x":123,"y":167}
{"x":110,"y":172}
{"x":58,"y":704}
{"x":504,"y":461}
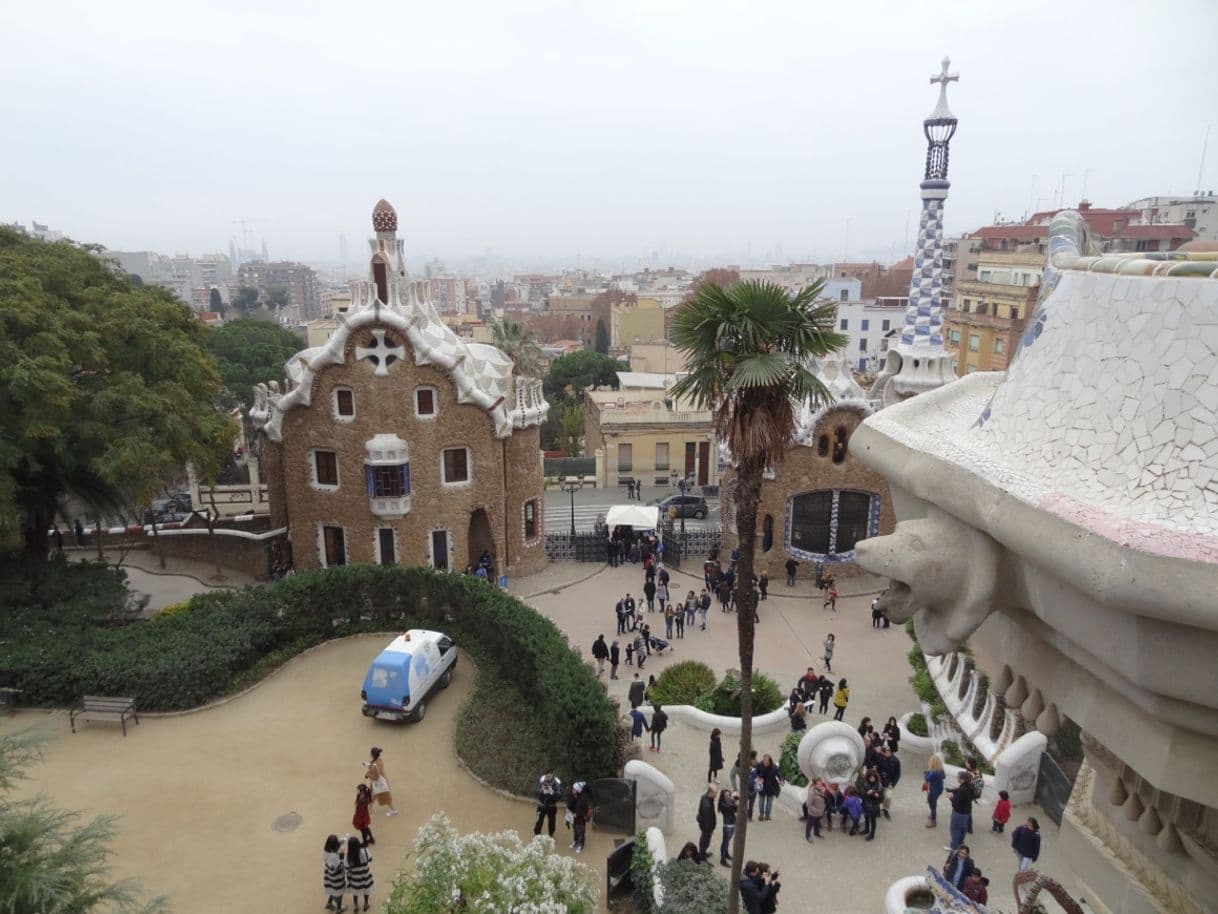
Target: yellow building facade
{"x":641,"y":322}
{"x":988,"y":315}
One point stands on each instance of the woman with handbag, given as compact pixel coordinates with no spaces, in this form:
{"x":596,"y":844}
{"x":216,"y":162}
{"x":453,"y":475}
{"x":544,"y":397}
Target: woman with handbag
{"x":374,"y":771}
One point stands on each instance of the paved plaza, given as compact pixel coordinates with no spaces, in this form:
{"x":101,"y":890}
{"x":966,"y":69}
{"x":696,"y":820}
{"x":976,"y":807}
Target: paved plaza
{"x":199,"y":793}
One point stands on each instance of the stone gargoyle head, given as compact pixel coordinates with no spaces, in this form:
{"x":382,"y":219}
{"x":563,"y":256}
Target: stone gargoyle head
{"x":943,"y":574}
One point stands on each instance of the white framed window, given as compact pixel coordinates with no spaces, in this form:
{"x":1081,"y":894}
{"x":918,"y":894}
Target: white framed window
{"x":439,"y":549}
{"x":1000,"y":345}
{"x":324,"y":469}
{"x":426,"y":402}
{"x":342,"y":404}
{"x":454,"y":466}
{"x":331,"y":545}
{"x":532,"y":521}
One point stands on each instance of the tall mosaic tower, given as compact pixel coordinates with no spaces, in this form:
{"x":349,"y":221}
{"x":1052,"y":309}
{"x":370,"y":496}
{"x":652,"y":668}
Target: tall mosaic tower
{"x":919,"y":362}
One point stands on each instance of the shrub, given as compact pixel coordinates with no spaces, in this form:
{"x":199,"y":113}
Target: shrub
{"x":917,"y":725}
{"x":725,"y":698}
{"x":691,"y":888}
{"x":642,"y":875}
{"x":788,"y":760}
{"x":949,"y":750}
{"x":489,"y":872}
{"x":172,"y":609}
{"x":683,"y":683}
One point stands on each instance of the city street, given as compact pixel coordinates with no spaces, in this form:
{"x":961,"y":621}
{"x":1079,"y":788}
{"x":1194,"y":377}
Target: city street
{"x":589,"y":503}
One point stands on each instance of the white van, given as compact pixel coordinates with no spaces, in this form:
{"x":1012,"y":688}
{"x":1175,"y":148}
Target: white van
{"x":406,"y":672}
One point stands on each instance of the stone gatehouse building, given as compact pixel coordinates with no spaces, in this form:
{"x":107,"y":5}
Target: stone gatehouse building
{"x":398,"y":442}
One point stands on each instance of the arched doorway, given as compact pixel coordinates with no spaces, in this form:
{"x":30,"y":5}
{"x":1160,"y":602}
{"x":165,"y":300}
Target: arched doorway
{"x":480,"y":539}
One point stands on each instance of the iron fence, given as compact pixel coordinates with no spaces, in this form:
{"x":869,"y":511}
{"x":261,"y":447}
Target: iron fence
{"x":570,"y":466}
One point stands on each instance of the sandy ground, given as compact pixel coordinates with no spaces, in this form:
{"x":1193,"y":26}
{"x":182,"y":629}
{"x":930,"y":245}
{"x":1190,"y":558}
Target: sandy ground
{"x":199,"y":792}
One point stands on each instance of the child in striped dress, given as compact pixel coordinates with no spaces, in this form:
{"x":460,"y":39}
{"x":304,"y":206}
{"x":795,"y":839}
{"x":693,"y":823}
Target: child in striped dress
{"x":359,"y":876}
{"x":334,"y":879}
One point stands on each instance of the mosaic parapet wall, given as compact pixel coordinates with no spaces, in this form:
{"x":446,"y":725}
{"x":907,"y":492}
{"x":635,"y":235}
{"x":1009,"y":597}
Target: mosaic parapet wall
{"x":1071,"y":504}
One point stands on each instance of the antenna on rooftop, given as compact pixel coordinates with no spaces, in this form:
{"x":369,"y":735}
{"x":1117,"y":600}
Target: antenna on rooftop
{"x":1201,"y":168}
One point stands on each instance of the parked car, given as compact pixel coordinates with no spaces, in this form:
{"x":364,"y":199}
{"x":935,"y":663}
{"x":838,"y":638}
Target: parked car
{"x":683,"y":506}
{"x":402,"y":678}
{"x":170,"y":509}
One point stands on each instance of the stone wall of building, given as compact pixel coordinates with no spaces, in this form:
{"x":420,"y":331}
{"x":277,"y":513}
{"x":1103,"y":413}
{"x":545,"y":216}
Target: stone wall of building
{"x":386,"y":404}
{"x":806,"y":469}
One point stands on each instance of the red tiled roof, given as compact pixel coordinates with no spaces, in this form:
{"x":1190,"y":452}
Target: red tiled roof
{"x":1100,"y":221}
{"x":1024,"y":233}
{"x":1157,"y":232}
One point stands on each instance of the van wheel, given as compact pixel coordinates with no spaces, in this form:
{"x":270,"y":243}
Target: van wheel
{"x":419,"y":711}
{"x":447,"y":679}
{"x":700,"y":515}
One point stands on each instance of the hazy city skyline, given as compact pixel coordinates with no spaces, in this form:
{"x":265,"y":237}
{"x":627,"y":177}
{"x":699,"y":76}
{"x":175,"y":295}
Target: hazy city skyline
{"x":539,"y":130}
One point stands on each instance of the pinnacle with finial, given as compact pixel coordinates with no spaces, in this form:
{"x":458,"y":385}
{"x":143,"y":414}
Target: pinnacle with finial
{"x":944,"y":77}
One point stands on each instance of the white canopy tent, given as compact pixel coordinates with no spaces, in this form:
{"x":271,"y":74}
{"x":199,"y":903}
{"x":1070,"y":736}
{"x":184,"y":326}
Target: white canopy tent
{"x":641,"y":517}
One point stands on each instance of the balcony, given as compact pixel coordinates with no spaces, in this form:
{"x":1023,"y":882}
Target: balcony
{"x":390,"y":507}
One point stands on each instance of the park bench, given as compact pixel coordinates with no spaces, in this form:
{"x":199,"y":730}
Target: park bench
{"x":98,"y":707}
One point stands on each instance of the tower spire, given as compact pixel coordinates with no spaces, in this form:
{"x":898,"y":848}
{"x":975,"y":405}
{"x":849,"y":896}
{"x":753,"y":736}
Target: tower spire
{"x":919,"y":362}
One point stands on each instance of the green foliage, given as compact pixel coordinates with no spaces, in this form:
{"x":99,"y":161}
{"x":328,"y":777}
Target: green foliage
{"x":245,"y":299}
{"x":571,"y":434}
{"x":725,"y":698}
{"x":691,"y":888}
{"x":105,"y":388}
{"x":917,"y":725}
{"x":278,"y":296}
{"x":949,"y":751}
{"x":788,"y":761}
{"x":683,"y":683}
{"x":57,"y":652}
{"x":519,"y":344}
{"x":215,"y":301}
{"x":489,"y":872}
{"x":579,"y":370}
{"x":923,"y":684}
{"x":52,"y":860}
{"x":642,"y":875}
{"x":602,"y":338}
{"x":250,"y":352}
{"x":522,"y":747}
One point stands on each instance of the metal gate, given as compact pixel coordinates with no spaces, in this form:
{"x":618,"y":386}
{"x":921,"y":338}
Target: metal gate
{"x":1052,"y":788}
{"x":613,"y":805}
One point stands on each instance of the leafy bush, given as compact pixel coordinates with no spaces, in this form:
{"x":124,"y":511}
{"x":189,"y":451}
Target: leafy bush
{"x":917,"y":725}
{"x":725,"y":698}
{"x":173,"y":609}
{"x":642,"y":875}
{"x":489,"y":872}
{"x":691,"y":888}
{"x":683,"y":683}
{"x":949,"y":751}
{"x":788,"y":761}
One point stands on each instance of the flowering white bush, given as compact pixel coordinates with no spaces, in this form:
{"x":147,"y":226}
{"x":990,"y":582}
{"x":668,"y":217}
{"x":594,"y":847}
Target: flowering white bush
{"x":490,"y":874}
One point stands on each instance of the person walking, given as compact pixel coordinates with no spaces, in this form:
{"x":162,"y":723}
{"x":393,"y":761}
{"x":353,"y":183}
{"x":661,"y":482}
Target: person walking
{"x":629,"y":488}
{"x":962,"y":809}
{"x":637,"y":691}
{"x":892,"y":735}
{"x":1025,"y":841}
{"x":662,"y":594}
{"x":549,"y":791}
{"x":679,"y":619}
{"x":691,"y":607}
{"x":669,"y":614}
{"x":1002,"y":813}
{"x":579,"y":811}
{"x":791,"y":566}
{"x":707,"y":820}
{"x":615,"y":655}
{"x":649,"y":594}
{"x":873,"y":798}
{"x":735,"y":773}
{"x":659,"y":723}
{"x":829,"y":646}
{"x":704,"y":602}
{"x":362,"y":820}
{"x":932,"y":785}
{"x":728,"y":803}
{"x":877,"y":615}
{"x":959,"y":866}
{"x":334,"y":877}
{"x":359,"y":873}
{"x":374,"y":771}
{"x":771,"y":786}
{"x":600,"y":650}
{"x":824,"y":691}
{"x":763,"y":585}
{"x":79,"y":530}
{"x":638,"y":723}
{"x":814,"y":809}
{"x":631,"y":615}
{"x":841,"y":698}
{"x":889,"y":767}
{"x":716,"y":755}
{"x":640,"y":648}
{"x":620,"y":611}
{"x":830,"y":598}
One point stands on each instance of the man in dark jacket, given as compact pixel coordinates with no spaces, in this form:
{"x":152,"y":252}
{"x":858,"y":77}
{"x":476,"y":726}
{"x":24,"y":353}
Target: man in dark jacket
{"x":791,"y":566}
{"x":649,"y":594}
{"x":962,"y":808}
{"x":629,"y":605}
{"x":757,"y":888}
{"x":637,"y":689}
{"x":549,"y":792}
{"x":959,"y":866}
{"x":706,"y":823}
{"x":615,"y":655}
{"x":620,"y":610}
{"x":890,"y":773}
{"x":600,"y":650}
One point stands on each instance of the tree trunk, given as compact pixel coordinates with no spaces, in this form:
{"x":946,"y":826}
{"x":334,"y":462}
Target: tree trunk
{"x":37,"y":519}
{"x":747,"y":496}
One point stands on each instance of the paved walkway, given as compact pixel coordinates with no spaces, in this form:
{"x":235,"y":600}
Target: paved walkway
{"x":179,"y":580}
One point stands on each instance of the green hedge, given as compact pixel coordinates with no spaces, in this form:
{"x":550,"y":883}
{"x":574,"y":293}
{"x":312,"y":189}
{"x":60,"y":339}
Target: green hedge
{"x":917,"y":725}
{"x":56,"y":651}
{"x":725,"y":697}
{"x":642,"y":876}
{"x":691,"y":888}
{"x":683,"y":683}
{"x":788,"y":761}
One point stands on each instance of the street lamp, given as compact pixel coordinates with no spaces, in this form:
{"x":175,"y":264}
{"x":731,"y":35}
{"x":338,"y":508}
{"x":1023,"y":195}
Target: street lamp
{"x":571,"y":485}
{"x":683,"y":485}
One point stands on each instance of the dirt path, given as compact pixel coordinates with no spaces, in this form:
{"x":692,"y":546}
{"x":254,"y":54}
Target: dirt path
{"x":199,"y":793}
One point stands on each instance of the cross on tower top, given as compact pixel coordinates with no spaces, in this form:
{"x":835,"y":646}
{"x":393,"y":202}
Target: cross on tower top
{"x":944,"y":77}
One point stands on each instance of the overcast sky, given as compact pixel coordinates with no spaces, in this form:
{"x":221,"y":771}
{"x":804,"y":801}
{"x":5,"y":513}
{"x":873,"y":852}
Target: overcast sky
{"x":591,"y":129}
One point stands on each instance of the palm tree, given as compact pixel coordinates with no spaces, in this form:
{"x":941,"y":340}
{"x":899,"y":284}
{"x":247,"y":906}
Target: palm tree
{"x":749,"y":350}
{"x":518,"y":344}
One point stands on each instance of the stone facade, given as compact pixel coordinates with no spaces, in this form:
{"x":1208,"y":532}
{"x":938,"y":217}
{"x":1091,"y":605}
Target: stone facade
{"x":398,"y":442}
{"x":827,"y":464}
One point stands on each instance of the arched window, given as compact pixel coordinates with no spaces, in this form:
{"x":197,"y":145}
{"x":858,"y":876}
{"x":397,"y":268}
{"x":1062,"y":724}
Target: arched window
{"x":767,"y":533}
{"x":840,"y":437}
{"x":822,"y":446}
